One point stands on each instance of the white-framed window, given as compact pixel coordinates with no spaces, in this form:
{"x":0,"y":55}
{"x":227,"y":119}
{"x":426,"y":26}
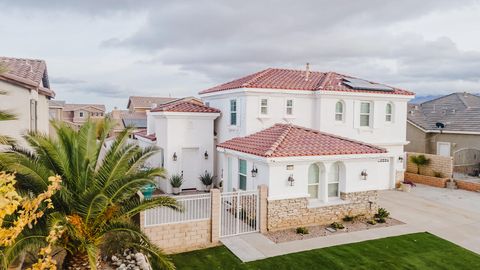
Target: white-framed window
{"x":313,"y":181}
{"x":334,"y":180}
{"x":80,"y":114}
{"x":233,"y":112}
{"x":389,"y":112}
{"x":207,"y":103}
{"x":289,"y":107}
{"x":242,"y":174}
{"x":264,"y":106}
{"x":365,"y":113}
{"x":339,"y":111}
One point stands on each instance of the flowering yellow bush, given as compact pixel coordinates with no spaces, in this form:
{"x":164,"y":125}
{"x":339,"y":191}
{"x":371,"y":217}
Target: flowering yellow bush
{"x":28,"y":210}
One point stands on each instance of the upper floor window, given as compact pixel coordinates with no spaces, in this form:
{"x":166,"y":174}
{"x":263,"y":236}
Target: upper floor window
{"x":233,"y":112}
{"x":339,"y":111}
{"x":81,"y":114}
{"x":365,"y":109}
{"x":289,"y":107}
{"x":264,"y":106}
{"x":388,"y":112}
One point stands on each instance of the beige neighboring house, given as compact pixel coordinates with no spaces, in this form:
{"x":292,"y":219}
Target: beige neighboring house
{"x":447,"y":126}
{"x":27,"y":91}
{"x":142,"y":104}
{"x":75,"y":114}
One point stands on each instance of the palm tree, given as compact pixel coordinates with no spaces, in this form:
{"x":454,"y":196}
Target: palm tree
{"x":98,"y":198}
{"x":5,"y":116}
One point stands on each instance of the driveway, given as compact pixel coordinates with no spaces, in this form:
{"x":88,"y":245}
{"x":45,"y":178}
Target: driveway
{"x":450,"y":214}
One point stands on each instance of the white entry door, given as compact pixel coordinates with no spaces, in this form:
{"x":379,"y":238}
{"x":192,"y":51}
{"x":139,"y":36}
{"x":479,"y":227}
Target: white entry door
{"x":443,"y":149}
{"x":190,"y":158}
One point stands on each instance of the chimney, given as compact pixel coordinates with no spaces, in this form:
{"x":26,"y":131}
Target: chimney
{"x":307,"y":72}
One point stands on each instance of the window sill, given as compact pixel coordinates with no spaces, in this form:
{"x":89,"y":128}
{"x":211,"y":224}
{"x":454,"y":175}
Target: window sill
{"x":266,"y":116}
{"x":365,"y":129}
{"x":233,"y":128}
{"x":331,"y":201}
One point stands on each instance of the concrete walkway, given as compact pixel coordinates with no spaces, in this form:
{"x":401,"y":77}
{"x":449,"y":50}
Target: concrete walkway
{"x":450,"y":214}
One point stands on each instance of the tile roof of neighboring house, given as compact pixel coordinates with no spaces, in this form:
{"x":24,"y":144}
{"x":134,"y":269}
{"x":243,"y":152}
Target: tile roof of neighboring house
{"x":146,"y":102}
{"x":56,"y":103}
{"x":74,"y":107}
{"x":143,"y":134}
{"x":185,"y":106}
{"x":27,"y":72}
{"x":286,"y":140}
{"x":459,"y":112}
{"x":275,"y":78}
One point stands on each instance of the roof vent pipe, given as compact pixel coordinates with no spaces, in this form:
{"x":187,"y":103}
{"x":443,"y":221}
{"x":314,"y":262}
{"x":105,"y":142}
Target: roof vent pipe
{"x":307,"y":72}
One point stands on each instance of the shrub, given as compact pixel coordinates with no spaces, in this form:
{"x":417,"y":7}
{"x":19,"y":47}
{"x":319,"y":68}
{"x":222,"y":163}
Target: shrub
{"x":382,"y":213}
{"x":420,"y":161}
{"x":337,"y":226}
{"x":372,"y":222}
{"x":176,"y":180}
{"x":302,"y":230}
{"x":348,"y":218}
{"x":381,"y":220}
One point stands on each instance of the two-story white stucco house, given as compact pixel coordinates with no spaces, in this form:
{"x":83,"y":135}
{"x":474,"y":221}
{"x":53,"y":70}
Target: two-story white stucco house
{"x":323,"y":143}
{"x":26,"y":91}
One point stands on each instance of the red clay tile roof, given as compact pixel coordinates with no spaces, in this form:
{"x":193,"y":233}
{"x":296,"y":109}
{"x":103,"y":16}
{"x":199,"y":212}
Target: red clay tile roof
{"x":185,"y":106}
{"x":143,"y":134}
{"x":274,"y":78}
{"x":286,"y":140}
{"x":29,"y":72}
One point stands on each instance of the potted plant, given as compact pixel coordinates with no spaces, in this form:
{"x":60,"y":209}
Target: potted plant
{"x":420,"y":160}
{"x":407,"y":185}
{"x":207,"y":180}
{"x":176,"y":181}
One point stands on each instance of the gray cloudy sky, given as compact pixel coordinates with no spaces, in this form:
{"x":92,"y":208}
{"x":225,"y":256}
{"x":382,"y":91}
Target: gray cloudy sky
{"x":105,"y":50}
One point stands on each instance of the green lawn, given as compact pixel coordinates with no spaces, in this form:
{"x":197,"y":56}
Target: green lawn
{"x":412,"y":251}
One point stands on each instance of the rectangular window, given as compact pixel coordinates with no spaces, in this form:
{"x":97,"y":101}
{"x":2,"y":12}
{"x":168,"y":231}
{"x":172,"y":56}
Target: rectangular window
{"x":81,"y":114}
{"x":242,"y":174}
{"x":334,"y":181}
{"x":33,"y":115}
{"x":289,"y":107}
{"x":365,"y":114}
{"x":264,"y":106}
{"x":233,"y":112}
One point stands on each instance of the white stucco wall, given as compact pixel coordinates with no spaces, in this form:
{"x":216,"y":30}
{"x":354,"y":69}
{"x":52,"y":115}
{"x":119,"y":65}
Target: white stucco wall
{"x":188,"y":134}
{"x":17,"y":101}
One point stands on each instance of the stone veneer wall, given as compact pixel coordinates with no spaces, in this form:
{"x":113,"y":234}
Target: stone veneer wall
{"x":292,"y":213}
{"x":468,"y":185}
{"x":427,"y":180}
{"x":441,"y":164}
{"x":181,"y":237}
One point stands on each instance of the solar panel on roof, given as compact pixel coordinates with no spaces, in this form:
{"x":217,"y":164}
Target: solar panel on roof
{"x":359,"y":84}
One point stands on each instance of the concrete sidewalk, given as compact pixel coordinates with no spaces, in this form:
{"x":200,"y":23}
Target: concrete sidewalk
{"x":449,"y":214}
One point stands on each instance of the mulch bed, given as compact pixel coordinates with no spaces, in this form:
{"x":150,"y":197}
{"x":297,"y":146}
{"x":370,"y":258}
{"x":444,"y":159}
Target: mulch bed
{"x":320,"y":230}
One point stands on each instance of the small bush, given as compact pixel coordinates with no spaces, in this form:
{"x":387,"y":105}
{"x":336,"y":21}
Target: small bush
{"x":348,"y":218}
{"x":381,"y":220}
{"x":382,"y":213}
{"x":337,"y":226}
{"x":372,"y":222}
{"x":302,"y":230}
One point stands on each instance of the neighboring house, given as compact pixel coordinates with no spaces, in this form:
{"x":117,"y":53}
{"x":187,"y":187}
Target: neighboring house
{"x":27,"y":91}
{"x":447,"y":126}
{"x":444,"y":125}
{"x":142,"y":104}
{"x":126,"y":118}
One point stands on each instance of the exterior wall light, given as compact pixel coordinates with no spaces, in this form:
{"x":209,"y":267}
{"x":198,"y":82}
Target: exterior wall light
{"x":291,"y":180}
{"x":175,"y":156}
{"x":206,"y":154}
{"x":254,"y":171}
{"x":364,"y":174}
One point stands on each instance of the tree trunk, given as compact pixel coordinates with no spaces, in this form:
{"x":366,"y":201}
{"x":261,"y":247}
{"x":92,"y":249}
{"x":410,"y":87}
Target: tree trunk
{"x":78,"y":261}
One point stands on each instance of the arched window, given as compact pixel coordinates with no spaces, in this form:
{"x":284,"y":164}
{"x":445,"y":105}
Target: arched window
{"x":389,"y":112}
{"x":339,"y":111}
{"x":313,"y":180}
{"x":336,"y":174}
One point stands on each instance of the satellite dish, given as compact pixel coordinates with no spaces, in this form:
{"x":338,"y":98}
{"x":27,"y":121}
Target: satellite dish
{"x":440,"y":125}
